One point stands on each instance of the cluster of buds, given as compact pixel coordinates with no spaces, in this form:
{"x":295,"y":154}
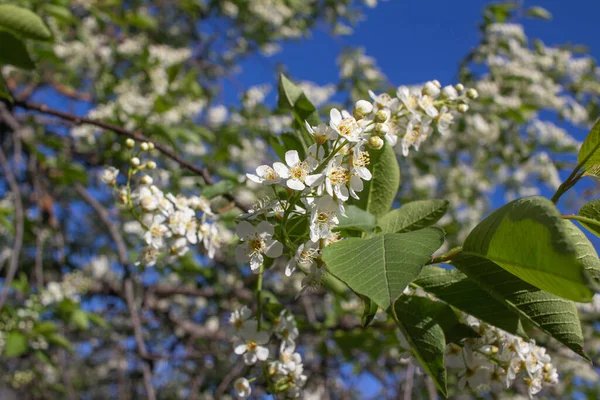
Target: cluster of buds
{"x":411,"y":117}
{"x":169,"y":223}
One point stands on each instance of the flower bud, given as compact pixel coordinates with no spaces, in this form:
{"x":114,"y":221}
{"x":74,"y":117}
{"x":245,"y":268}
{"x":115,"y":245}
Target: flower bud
{"x":130,"y":143}
{"x":151,"y":165}
{"x":437,"y":83}
{"x":135,"y":162}
{"x":382,"y":115}
{"x":146,"y":180}
{"x":150,"y":146}
{"x":381,"y":129}
{"x":450,"y":93}
{"x":460,"y":87}
{"x":362,"y":108}
{"x":144,"y":146}
{"x":472,"y":93}
{"x":463,"y":108}
{"x":430,"y":89}
{"x":375,"y":142}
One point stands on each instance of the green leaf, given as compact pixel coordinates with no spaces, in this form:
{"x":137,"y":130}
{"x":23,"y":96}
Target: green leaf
{"x":14,"y":52}
{"x":356,"y":218}
{"x":4,"y":92}
{"x":23,"y":22}
{"x":381,"y":267}
{"x":529,"y":239}
{"x":59,"y":12}
{"x":45,"y":327}
{"x":292,"y":97}
{"x":539,"y":12}
{"x":552,"y":314}
{"x":591,"y":211}
{"x":456,"y":289}
{"x":413,"y":216}
{"x":589,"y":156}
{"x":80,"y":319}
{"x":15,"y":345}
{"x":379,"y":193}
{"x":369,"y":311}
{"x":97,"y":320}
{"x":60,"y":340}
{"x":219,"y":188}
{"x":416,"y":317}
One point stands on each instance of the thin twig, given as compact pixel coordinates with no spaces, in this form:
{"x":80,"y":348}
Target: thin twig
{"x":104,"y":215}
{"x":39,"y":258}
{"x":226,"y":382}
{"x":18,"y":242}
{"x":409,"y":383}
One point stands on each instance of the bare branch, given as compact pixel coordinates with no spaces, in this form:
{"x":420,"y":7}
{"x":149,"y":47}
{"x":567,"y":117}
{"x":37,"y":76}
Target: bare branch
{"x":18,"y":242}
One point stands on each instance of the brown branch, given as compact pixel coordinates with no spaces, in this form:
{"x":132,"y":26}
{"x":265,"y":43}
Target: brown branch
{"x":127,"y":286}
{"x":19,"y":222}
{"x":172,"y":154}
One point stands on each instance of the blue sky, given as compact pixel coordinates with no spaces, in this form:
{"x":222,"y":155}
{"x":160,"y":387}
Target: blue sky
{"x":415,"y":41}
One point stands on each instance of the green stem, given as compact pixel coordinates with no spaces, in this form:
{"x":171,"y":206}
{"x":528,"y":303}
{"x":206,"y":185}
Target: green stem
{"x":579,"y":218}
{"x":455,"y":252}
{"x":258,"y":295}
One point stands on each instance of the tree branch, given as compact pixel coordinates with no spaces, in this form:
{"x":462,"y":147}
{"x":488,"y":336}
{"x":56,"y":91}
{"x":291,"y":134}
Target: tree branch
{"x":18,"y":242}
{"x":172,"y":154}
{"x":127,"y":286}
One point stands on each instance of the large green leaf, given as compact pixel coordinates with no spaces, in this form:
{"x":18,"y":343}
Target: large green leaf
{"x":14,"y":52}
{"x":413,"y":216}
{"x":16,"y":344}
{"x":379,"y":193}
{"x":381,"y":267}
{"x":591,"y":211}
{"x":589,"y":154}
{"x":456,"y":289}
{"x":552,"y":314}
{"x":357,"y":218}
{"x":416,"y":318}
{"x":292,"y":97}
{"x":23,"y":22}
{"x":529,"y":239}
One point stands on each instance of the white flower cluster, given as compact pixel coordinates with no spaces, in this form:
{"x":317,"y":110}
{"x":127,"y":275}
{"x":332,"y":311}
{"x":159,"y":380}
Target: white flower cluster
{"x":27,"y":317}
{"x":497,"y":359}
{"x":285,"y":373}
{"x":169,"y":223}
{"x":335,"y":168}
{"x":71,"y":286}
{"x":414,"y":113}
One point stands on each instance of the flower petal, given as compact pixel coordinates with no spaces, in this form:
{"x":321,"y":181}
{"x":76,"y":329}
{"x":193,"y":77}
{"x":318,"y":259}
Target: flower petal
{"x":314,"y":180}
{"x":262,"y":353}
{"x":240,"y":348}
{"x":273,"y":248}
{"x":281,"y":170}
{"x":265,"y":230}
{"x":335,"y":116}
{"x":295,"y":184}
{"x":254,"y":178}
{"x":292,"y":158}
{"x":241,"y":253}
{"x":244,"y":230}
